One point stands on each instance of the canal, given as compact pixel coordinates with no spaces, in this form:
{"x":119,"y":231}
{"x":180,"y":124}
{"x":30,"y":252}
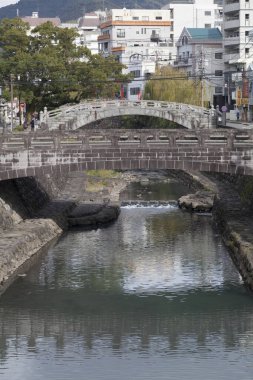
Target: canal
{"x":153,"y":296}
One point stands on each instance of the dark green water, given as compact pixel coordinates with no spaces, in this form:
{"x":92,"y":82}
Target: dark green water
{"x":153,"y":296}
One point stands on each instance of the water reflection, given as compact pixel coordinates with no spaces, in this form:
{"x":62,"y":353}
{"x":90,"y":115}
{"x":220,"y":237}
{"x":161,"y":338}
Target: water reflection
{"x":155,"y":293}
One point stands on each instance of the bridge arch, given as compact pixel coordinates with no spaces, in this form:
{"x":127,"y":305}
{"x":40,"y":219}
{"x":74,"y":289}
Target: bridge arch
{"x":37,"y":154}
{"x":77,"y":116}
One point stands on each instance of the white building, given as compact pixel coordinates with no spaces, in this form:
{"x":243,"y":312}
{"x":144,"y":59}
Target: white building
{"x":88,"y":29}
{"x":200,"y":54}
{"x":141,"y":39}
{"x":238,"y":22}
{"x":194,"y":14}
{"x":34,"y":20}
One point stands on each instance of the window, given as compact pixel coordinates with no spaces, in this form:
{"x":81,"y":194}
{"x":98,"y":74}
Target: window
{"x":136,"y":73}
{"x":218,"y":55}
{"x":158,"y":18}
{"x":218,"y":90}
{"x":118,"y":18}
{"x":184,"y":40}
{"x":143,"y":30}
{"x":208,"y":26}
{"x":247,"y":52}
{"x":218,"y":73}
{"x":135,"y":90}
{"x":208,"y":13}
{"x":121,"y":33}
{"x":135,"y":18}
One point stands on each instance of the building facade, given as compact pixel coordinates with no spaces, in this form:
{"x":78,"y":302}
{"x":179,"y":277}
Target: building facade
{"x":238,"y":53}
{"x":200,"y":54}
{"x":194,"y":14}
{"x":238,"y":22}
{"x":141,"y":40}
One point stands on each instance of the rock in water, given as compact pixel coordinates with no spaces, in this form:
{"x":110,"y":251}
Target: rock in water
{"x":201,"y":201}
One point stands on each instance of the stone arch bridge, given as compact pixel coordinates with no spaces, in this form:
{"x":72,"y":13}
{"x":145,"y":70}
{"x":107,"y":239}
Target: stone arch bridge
{"x":56,"y":152}
{"x":76,"y":116}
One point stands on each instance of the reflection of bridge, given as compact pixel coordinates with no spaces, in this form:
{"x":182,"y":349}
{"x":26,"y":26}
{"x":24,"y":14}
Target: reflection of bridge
{"x":23,"y":155}
{"x":74,"y":117}
{"x":94,"y":321}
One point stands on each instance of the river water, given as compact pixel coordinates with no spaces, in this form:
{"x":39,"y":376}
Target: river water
{"x":153,"y":296}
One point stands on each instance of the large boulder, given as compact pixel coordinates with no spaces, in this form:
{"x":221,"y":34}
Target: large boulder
{"x":93,"y":215}
{"x":201,"y":201}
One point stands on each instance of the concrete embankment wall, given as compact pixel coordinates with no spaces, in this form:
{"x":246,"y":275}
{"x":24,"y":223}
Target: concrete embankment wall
{"x":21,"y":236}
{"x":233,"y":215}
{"x":31,"y":216}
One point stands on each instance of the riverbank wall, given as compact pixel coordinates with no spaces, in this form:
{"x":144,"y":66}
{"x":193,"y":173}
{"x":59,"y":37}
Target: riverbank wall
{"x":233,"y":216}
{"x":22,"y":235}
{"x":32,"y":214}
{"x":232,"y":213}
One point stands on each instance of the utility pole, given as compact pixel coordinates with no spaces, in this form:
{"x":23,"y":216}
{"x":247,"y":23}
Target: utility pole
{"x":12,"y":78}
{"x":202,"y":69}
{"x":19,"y":102}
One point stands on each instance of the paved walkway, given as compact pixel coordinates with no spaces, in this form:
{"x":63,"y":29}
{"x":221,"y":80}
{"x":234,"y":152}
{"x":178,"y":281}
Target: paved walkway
{"x":239,"y":124}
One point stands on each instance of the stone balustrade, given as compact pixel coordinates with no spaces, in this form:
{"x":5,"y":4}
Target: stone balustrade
{"x":219,"y":150}
{"x":71,"y":117}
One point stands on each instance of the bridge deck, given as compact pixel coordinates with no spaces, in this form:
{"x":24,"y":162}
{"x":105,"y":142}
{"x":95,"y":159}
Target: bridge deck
{"x":220,"y":150}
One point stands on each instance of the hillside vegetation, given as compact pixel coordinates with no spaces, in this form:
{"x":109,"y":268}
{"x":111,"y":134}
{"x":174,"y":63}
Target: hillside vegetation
{"x":72,"y":9}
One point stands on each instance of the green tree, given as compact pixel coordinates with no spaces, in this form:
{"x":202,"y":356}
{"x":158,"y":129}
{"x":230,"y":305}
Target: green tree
{"x":173,"y":85}
{"x":51,"y":70}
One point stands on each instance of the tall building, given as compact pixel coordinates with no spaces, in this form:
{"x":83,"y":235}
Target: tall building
{"x":141,"y":39}
{"x":238,"y":22}
{"x":194,"y":14}
{"x":238,"y":53}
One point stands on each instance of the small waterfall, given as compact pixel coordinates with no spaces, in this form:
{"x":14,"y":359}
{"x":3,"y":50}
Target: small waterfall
{"x":149,"y":204}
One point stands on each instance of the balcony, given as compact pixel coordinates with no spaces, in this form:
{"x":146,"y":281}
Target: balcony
{"x":232,"y":22}
{"x":181,"y":62}
{"x":233,"y":39}
{"x":231,"y":6}
{"x":104,"y":37}
{"x":231,"y":57}
{"x":155,"y":37}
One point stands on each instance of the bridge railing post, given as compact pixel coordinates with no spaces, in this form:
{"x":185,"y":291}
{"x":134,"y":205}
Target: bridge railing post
{"x":27,"y":142}
{"x":143,"y":140}
{"x":114,"y":140}
{"x":230,"y":141}
{"x":57,"y":142}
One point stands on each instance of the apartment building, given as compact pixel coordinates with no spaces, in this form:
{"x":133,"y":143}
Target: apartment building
{"x":200,"y":54}
{"x":238,"y":22}
{"x":88,"y":31}
{"x":238,"y":51}
{"x":194,"y":14}
{"x":140,"y":39}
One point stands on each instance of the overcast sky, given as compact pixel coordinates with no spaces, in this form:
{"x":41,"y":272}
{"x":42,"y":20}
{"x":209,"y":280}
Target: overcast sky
{"x":3,"y":3}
